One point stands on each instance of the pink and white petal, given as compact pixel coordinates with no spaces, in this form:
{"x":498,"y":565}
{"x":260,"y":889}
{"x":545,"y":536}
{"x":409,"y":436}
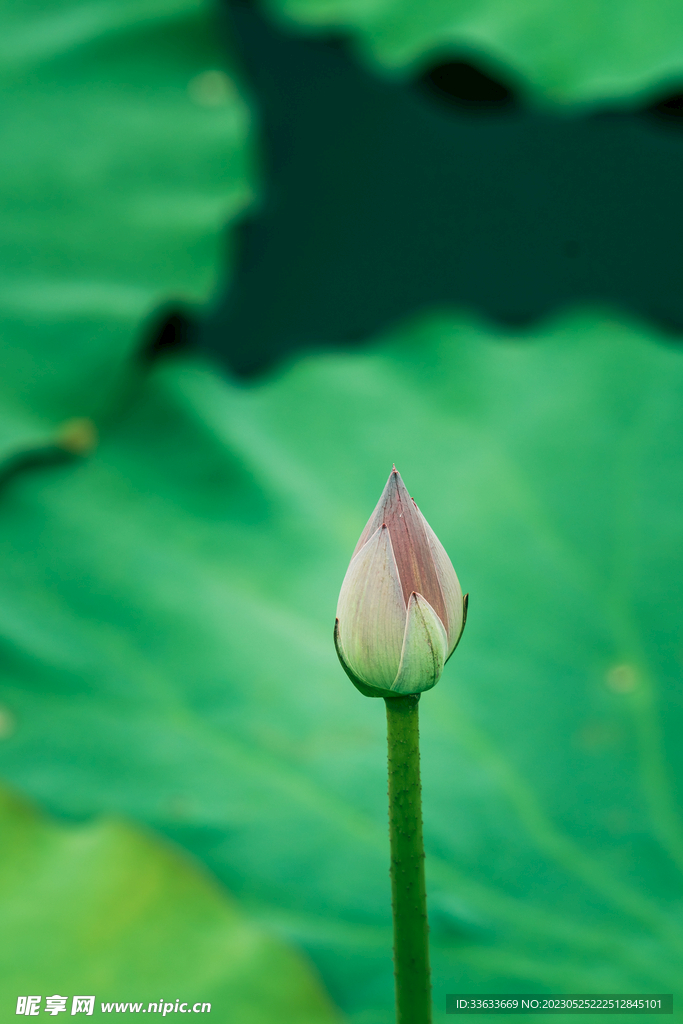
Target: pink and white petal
{"x":372,"y":613}
{"x":377,"y":517}
{"x":450,"y":587}
{"x":424,"y":651}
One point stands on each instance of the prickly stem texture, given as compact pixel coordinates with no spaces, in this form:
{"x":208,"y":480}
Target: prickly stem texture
{"x":409,"y":899}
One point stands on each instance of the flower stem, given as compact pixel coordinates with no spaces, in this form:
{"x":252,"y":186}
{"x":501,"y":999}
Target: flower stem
{"x":408,"y":895}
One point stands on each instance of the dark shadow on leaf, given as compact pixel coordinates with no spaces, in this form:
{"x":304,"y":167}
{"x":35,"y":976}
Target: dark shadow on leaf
{"x":466,"y":87}
{"x":170,"y":332}
{"x":668,"y":110}
{"x":383,"y":199}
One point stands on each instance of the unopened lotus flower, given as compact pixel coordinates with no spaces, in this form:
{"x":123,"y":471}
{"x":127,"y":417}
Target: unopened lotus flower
{"x":401,"y":611}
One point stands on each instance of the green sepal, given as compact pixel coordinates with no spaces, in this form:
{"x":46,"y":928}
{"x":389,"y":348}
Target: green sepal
{"x":425,"y":646}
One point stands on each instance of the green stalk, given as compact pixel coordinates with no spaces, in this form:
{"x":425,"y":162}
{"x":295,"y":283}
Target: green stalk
{"x":408,"y":895}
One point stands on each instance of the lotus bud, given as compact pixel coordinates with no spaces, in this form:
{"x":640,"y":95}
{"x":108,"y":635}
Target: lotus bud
{"x":401,"y":612}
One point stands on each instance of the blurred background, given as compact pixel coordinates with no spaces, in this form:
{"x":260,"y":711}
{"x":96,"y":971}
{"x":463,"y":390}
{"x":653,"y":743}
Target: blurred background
{"x":253,"y":254}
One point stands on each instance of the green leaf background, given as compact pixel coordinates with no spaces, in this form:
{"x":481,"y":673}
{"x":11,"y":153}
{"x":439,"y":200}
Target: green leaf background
{"x":126,"y":148}
{"x":100,"y":908}
{"x":168,"y":654}
{"x":559,"y":53}
{"x":167,"y":602}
